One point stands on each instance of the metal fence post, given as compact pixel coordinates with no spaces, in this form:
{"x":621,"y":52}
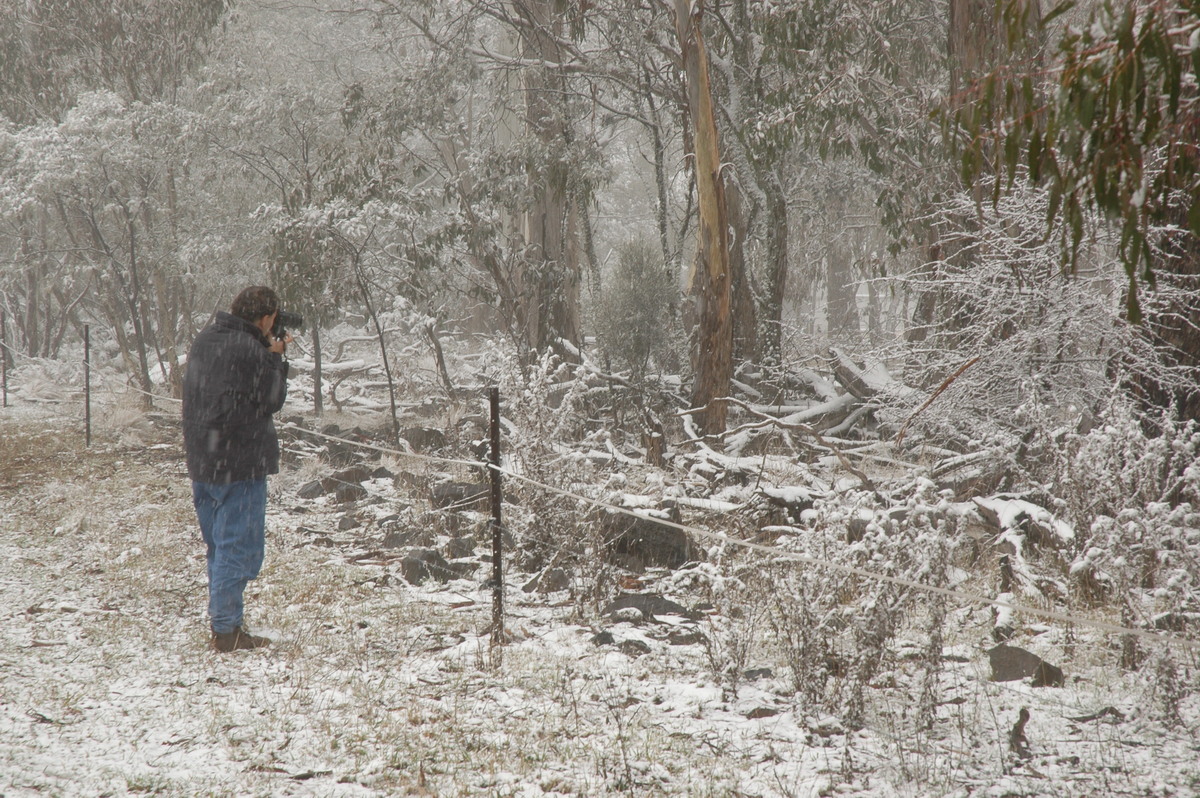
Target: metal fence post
{"x":4,"y":357}
{"x":87,"y":382}
{"x":497,"y":536}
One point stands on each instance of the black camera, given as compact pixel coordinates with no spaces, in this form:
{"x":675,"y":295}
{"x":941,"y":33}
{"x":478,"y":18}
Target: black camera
{"x":285,"y":320}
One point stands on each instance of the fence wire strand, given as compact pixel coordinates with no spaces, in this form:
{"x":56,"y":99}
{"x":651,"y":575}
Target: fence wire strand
{"x":783,"y":554}
{"x":973,"y":599}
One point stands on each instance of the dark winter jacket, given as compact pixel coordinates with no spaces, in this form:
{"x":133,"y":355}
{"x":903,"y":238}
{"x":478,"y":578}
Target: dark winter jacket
{"x":232,"y":386}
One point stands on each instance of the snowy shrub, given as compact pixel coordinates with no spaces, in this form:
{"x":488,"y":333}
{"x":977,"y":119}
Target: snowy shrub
{"x":996,"y":321}
{"x":542,"y":404}
{"x":836,"y":628}
{"x":1136,"y":497}
{"x":1169,"y":687}
{"x":46,"y":380}
{"x":541,"y":407}
{"x":1117,"y":466}
{"x":631,"y":320}
{"x":734,"y":629}
{"x":1155,"y":550}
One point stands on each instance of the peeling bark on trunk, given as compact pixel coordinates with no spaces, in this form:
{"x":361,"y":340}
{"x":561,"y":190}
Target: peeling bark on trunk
{"x":711,"y":283}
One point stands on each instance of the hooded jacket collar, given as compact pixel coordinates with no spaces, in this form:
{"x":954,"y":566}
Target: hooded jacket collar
{"x":229,"y":321}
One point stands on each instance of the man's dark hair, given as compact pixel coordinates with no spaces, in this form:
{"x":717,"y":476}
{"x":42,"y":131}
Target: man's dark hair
{"x":254,"y":303}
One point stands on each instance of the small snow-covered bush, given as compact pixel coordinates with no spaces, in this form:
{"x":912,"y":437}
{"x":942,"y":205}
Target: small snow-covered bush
{"x":541,"y":405}
{"x":1117,"y":465}
{"x":837,"y":628}
{"x":43,"y":379}
{"x":1136,"y":497}
{"x":631,"y":318}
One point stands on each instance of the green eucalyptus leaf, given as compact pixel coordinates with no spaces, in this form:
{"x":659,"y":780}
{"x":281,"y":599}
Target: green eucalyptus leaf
{"x":1133,"y":309}
{"x":1053,"y":206}
{"x":1035,"y":156}
{"x":1056,"y":12}
{"x":1174,"y":81}
{"x":1087,"y":109}
{"x":1012,"y":154}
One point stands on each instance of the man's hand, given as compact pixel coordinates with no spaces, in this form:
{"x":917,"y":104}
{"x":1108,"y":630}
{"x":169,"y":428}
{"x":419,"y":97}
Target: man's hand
{"x":279,"y":345}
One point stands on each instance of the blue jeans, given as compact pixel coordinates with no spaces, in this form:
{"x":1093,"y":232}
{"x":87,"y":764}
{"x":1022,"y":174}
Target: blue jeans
{"x":233,"y":521}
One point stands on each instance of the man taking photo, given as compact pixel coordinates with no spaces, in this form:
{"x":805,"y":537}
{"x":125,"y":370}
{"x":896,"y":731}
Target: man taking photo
{"x":236,"y":380}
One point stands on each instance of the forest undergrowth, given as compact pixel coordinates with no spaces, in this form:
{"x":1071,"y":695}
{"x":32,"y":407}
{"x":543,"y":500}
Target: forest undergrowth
{"x":786,"y":612}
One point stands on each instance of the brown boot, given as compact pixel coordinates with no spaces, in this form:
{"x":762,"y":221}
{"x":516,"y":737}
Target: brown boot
{"x":237,"y":640}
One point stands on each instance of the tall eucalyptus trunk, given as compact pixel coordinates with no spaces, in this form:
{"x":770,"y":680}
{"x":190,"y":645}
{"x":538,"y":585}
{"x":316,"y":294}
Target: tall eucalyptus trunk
{"x":711,"y":283}
{"x":551,"y":273}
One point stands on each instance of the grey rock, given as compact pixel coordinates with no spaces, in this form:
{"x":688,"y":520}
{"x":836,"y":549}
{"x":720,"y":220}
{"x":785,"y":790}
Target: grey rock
{"x":399,"y":538}
{"x":633,"y":648}
{"x":793,"y":503}
{"x":311,"y":490}
{"x":423,"y":564}
{"x":353,"y":475}
{"x":460,"y":547}
{"x":345,"y":486}
{"x":424,"y":439}
{"x":1010,"y":663}
{"x":550,"y":580}
{"x":856,"y":529}
{"x":759,"y":713}
{"x":346,"y":492}
{"x":628,"y":615}
{"x":686,"y":637}
{"x":458,"y":496}
{"x":637,"y":542}
{"x":650,"y":604}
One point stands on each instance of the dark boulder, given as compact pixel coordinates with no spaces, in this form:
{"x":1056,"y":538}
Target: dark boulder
{"x":460,"y":547}
{"x":638,"y":541}
{"x":550,"y":580}
{"x":424,"y":439}
{"x":1010,"y":663}
{"x":311,"y":490}
{"x":633,"y":648}
{"x":650,"y":604}
{"x":603,"y":639}
{"x":345,"y":486}
{"x":423,"y":564}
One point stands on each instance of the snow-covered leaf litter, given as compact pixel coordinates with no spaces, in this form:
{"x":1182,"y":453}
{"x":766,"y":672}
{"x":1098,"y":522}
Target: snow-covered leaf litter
{"x":379,"y":687}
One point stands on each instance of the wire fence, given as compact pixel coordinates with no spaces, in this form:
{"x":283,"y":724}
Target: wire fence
{"x":936,"y":688}
{"x":775,"y":553}
{"x":986,"y":703}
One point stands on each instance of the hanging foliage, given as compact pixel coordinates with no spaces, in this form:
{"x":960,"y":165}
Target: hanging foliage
{"x":1118,"y":131}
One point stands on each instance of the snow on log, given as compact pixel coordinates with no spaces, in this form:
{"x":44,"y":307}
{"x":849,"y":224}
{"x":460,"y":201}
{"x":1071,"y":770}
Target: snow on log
{"x":864,"y":383}
{"x":329,"y":369}
{"x":1028,"y":521}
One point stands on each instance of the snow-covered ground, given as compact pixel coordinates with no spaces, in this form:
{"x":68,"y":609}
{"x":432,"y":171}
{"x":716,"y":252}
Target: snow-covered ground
{"x":374,"y":686}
